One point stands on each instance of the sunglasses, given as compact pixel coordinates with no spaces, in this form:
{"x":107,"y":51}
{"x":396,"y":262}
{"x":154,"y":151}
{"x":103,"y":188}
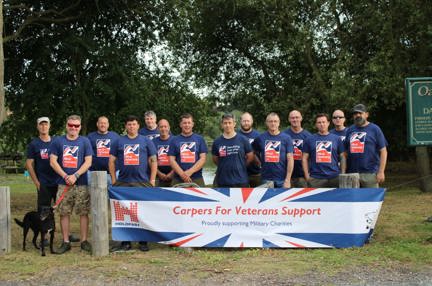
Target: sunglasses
{"x":338,"y":117}
{"x":74,"y":125}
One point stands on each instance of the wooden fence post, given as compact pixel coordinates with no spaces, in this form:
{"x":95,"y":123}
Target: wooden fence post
{"x":5,"y":221}
{"x":351,"y":180}
{"x":99,"y":213}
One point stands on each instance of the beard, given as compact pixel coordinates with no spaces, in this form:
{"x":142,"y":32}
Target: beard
{"x":359,"y":121}
{"x":246,"y":129}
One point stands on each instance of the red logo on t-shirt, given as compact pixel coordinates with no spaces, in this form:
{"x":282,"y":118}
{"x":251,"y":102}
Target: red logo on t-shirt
{"x":297,"y":143}
{"x":323,"y":152}
{"x":103,"y":147}
{"x":222,"y":151}
{"x":163,"y":159}
{"x":70,"y":156}
{"x":187,"y":152}
{"x":272,"y":151}
{"x":357,"y":142}
{"x":131,"y":154}
{"x":44,"y":154}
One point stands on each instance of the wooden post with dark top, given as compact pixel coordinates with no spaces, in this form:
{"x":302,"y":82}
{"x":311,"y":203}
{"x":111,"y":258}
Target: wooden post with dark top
{"x":99,"y":213}
{"x":5,"y":221}
{"x":351,"y":180}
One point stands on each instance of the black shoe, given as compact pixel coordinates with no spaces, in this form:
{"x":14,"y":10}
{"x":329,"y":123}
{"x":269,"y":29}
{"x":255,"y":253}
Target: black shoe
{"x":65,"y":246}
{"x":86,"y":246}
{"x":73,"y":238}
{"x":143,"y":246}
{"x":124,"y":246}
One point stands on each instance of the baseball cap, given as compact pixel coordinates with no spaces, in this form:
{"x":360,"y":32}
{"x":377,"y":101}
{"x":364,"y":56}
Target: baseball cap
{"x":43,"y":119}
{"x":359,"y":108}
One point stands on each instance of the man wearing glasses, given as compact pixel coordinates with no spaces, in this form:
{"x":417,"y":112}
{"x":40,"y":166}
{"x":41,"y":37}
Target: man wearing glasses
{"x":338,"y":120}
{"x":71,"y":157}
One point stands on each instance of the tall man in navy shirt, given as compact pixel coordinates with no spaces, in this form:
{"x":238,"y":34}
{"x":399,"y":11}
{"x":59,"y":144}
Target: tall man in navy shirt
{"x":150,"y":130}
{"x":165,"y":173}
{"x":135,"y":155}
{"x":246,"y":129}
{"x":298,"y":136}
{"x":71,"y":157}
{"x":338,"y":119}
{"x":187,"y":153}
{"x":321,"y":155}
{"x":38,"y":164}
{"x":275,"y":150}
{"x":101,"y":142}
{"x":231,"y":154}
{"x":366,"y":148}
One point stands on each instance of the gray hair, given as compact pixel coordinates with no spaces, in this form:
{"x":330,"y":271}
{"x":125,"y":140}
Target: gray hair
{"x":74,"y":117}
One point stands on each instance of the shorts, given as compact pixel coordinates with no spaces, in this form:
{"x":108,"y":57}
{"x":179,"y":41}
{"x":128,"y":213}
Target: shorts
{"x":133,"y":184}
{"x":77,"y":196}
{"x":254,"y":180}
{"x":198,"y":181}
{"x":299,"y":182}
{"x":368,"y":180}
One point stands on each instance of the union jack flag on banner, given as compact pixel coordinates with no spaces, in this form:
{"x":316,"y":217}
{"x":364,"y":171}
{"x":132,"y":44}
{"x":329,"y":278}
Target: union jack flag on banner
{"x":245,"y":217}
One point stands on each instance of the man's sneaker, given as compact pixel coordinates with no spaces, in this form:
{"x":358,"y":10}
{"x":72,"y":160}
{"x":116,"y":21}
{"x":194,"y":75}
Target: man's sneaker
{"x":73,"y":238}
{"x":65,"y":246}
{"x":143,"y":246}
{"x":45,"y":242}
{"x":86,"y":246}
{"x":124,"y":246}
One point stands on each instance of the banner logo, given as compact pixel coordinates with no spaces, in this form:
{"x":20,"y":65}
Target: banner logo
{"x":70,"y":156}
{"x":298,"y":144}
{"x":272,"y":151}
{"x":162,"y":155}
{"x":103,"y":147}
{"x":131,"y":154}
{"x":187,"y":152}
{"x":357,"y":142}
{"x":323,"y":151}
{"x":44,"y":154}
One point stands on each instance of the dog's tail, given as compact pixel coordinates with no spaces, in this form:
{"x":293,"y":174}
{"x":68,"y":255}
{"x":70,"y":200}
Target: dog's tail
{"x":20,"y":223}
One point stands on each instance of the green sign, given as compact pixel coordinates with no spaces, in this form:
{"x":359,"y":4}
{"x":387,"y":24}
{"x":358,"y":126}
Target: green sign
{"x":419,"y":110}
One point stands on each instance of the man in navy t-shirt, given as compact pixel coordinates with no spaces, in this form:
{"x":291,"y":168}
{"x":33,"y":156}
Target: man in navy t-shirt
{"x":366,"y":148}
{"x":150,"y":130}
{"x":275,"y":150}
{"x":38,"y":164}
{"x":165,"y":173}
{"x":298,"y":136}
{"x":338,"y":119}
{"x":321,"y":155}
{"x":101,"y":142}
{"x":187,"y":154}
{"x":231,"y":154}
{"x":71,"y":156}
{"x":134,"y":155}
{"x":254,"y":168}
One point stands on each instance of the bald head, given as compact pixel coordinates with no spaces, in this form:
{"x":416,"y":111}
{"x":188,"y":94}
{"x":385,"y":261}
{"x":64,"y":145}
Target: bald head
{"x":164,"y":128}
{"x":295,"y":119}
{"x":246,"y":122}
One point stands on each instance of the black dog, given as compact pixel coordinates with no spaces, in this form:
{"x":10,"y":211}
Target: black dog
{"x":40,"y":222}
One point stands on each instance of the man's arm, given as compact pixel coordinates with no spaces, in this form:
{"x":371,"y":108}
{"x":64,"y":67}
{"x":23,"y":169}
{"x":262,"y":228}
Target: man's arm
{"x":250,"y":157}
{"x":215,"y":159}
{"x":58,"y":169}
{"x":290,"y":167}
{"x":383,"y":162}
{"x":153,"y":169}
{"x":84,"y":167}
{"x":179,"y":170}
{"x":305,"y":165}
{"x":198,"y":165}
{"x":111,"y":168}
{"x":343,"y":162}
{"x":32,"y":172}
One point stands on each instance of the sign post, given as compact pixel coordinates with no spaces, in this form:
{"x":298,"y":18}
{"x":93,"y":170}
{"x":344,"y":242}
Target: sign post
{"x":419,"y":118}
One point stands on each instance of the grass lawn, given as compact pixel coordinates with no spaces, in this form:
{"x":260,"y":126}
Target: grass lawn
{"x":400,"y":242}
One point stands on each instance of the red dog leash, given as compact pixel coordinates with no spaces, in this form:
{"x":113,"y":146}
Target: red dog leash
{"x":62,"y":196}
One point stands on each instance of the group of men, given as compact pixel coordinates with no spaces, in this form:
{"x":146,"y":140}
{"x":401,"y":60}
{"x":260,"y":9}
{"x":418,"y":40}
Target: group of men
{"x":152,"y":156}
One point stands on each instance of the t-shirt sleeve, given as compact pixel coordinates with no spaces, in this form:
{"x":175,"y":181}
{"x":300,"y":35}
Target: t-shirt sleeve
{"x":151,"y":148}
{"x":172,"y":148}
{"x":30,"y":151}
{"x":381,"y":141}
{"x":289,"y":145}
{"x":56,"y":147}
{"x":341,"y":145}
{"x":203,"y":146}
{"x":306,"y":146}
{"x":247,"y":145}
{"x":214,"y":148}
{"x":88,"y":147}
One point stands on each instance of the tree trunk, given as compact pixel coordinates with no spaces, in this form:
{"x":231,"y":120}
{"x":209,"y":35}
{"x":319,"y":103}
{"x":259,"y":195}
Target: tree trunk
{"x":423,"y":168}
{"x":2,"y":91}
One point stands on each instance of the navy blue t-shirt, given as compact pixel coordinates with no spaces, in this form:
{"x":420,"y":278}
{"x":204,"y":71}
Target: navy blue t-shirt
{"x":272,"y":151}
{"x":363,"y":145}
{"x":101,"y":144}
{"x":252,"y":168}
{"x":187,"y":150}
{"x":132,"y":158}
{"x":150,"y":134}
{"x":340,"y":133}
{"x":298,"y":143}
{"x":324,"y":151}
{"x":162,"y":148}
{"x":231,"y":153}
{"x":71,"y":154}
{"x":39,"y":151}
